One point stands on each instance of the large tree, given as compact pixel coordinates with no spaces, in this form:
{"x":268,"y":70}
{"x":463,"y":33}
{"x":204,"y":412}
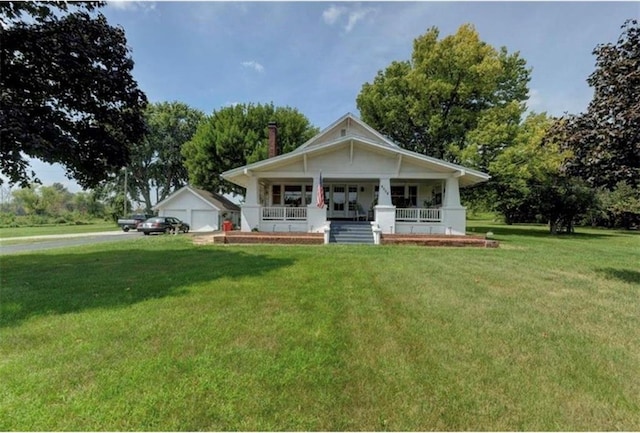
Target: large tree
{"x":235,"y":136}
{"x":529,"y":180}
{"x":449,"y":88}
{"x":606,"y":139}
{"x":67,"y":94}
{"x":156,"y":161}
{"x":53,"y":200}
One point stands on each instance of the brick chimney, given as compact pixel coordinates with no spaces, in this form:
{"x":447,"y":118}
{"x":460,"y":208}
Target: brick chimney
{"x":273,"y":140}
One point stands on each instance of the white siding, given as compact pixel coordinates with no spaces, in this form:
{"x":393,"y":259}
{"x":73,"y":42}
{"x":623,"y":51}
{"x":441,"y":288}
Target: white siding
{"x":204,"y":220}
{"x":181,"y":214}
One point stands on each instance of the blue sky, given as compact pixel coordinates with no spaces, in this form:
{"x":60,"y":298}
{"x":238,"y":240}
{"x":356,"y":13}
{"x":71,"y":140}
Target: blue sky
{"x":315,"y":56}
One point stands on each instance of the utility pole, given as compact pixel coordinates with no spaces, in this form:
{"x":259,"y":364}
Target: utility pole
{"x":125,"y":192}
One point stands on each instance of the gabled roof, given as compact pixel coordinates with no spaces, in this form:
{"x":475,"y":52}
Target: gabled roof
{"x":350,"y":129}
{"x":218,"y":201}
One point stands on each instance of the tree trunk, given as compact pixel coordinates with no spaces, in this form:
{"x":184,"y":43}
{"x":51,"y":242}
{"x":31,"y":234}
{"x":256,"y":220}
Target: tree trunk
{"x":507,"y":219}
{"x":146,"y":195}
{"x":570,"y":225}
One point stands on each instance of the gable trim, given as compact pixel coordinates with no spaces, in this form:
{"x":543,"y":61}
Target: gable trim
{"x":180,"y":192}
{"x":349,"y":117}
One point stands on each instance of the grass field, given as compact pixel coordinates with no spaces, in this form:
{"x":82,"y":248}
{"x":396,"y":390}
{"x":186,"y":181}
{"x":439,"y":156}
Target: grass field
{"x":16,"y":232}
{"x":542,"y":333}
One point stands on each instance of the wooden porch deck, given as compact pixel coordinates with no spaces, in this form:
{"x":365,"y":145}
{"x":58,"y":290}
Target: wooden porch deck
{"x":285,"y":238}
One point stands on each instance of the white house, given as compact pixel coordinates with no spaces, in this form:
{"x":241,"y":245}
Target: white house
{"x":202,"y":210}
{"x":363,"y":175}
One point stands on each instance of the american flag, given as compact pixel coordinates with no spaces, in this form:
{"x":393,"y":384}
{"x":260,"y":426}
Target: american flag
{"x":320,"y":198}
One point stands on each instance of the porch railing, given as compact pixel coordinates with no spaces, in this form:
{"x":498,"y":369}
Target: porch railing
{"x":283,"y":213}
{"x":418,"y":215}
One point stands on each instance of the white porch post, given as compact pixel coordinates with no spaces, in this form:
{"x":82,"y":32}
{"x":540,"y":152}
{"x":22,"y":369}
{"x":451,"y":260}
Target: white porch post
{"x":385,"y":211}
{"x":384,"y":192}
{"x":316,"y":216}
{"x":453,"y":213}
{"x":250,"y":211}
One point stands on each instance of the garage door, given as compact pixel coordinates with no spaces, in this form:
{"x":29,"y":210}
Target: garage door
{"x":181,"y":214}
{"x":204,"y":220}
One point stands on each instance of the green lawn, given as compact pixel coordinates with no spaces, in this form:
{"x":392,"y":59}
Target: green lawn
{"x":542,"y":333}
{"x":15,"y":232}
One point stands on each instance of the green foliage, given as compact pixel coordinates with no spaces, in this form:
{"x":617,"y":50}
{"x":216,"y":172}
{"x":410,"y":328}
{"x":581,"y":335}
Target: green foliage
{"x":88,"y":203}
{"x":562,"y":201}
{"x":9,"y":220}
{"x":157,"y":162}
{"x":40,"y":204}
{"x":619,"y":207}
{"x":441,"y":101}
{"x":606,"y":139}
{"x":115,"y":206}
{"x":235,"y":136}
{"x":28,"y":201}
{"x":529,"y":182}
{"x":498,"y":128}
{"x":68,"y":95}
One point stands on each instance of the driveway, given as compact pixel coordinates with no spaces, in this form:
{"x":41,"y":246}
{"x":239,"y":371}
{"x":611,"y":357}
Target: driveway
{"x":38,"y":243}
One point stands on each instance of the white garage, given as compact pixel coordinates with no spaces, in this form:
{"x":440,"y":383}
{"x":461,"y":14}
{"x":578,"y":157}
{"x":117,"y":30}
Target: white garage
{"x":181,"y":214}
{"x":202,"y":210}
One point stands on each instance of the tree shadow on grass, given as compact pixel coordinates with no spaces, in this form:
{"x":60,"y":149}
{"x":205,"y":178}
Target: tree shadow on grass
{"x":38,"y":284}
{"x":625,"y":275}
{"x":532,"y":231}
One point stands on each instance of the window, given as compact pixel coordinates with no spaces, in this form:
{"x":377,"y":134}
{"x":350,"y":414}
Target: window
{"x":276,"y":195}
{"x":397,"y":195}
{"x":293,"y":195}
{"x":353,"y":197}
{"x":338,"y":198}
{"x":327,"y":195}
{"x":412,"y":200}
{"x":308,"y":193}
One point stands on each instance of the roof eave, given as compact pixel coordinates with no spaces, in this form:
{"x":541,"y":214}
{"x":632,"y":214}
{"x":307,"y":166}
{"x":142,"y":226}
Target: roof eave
{"x":239,"y":176}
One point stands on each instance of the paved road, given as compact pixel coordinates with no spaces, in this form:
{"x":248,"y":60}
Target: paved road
{"x":38,"y":243}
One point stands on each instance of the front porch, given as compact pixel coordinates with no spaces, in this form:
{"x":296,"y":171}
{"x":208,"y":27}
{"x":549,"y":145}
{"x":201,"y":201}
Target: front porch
{"x":406,"y":220}
{"x":392,"y":206}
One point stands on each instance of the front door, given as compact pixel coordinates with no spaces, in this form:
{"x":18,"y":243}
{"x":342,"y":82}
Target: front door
{"x":341,"y":200}
{"x":339,"y":206}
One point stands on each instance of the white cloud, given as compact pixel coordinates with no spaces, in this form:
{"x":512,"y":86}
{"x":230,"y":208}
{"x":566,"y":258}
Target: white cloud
{"x":121,"y":5}
{"x":355,"y":16}
{"x":127,"y":5}
{"x":253,"y":65}
{"x":352,"y":14}
{"x":331,"y":15}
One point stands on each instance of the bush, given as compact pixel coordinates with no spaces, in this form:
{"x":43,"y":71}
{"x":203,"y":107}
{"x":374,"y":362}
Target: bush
{"x":619,"y":207}
{"x":8,"y":220}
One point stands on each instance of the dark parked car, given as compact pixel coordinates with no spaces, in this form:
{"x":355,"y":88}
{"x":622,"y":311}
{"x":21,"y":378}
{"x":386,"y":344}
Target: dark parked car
{"x":164,"y":224}
{"x":131,"y":223}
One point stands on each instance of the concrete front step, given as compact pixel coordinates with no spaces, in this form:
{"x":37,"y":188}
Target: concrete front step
{"x":351,"y":233}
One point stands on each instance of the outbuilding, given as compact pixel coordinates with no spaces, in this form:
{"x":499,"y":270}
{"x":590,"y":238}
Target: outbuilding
{"x":203,"y":210}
